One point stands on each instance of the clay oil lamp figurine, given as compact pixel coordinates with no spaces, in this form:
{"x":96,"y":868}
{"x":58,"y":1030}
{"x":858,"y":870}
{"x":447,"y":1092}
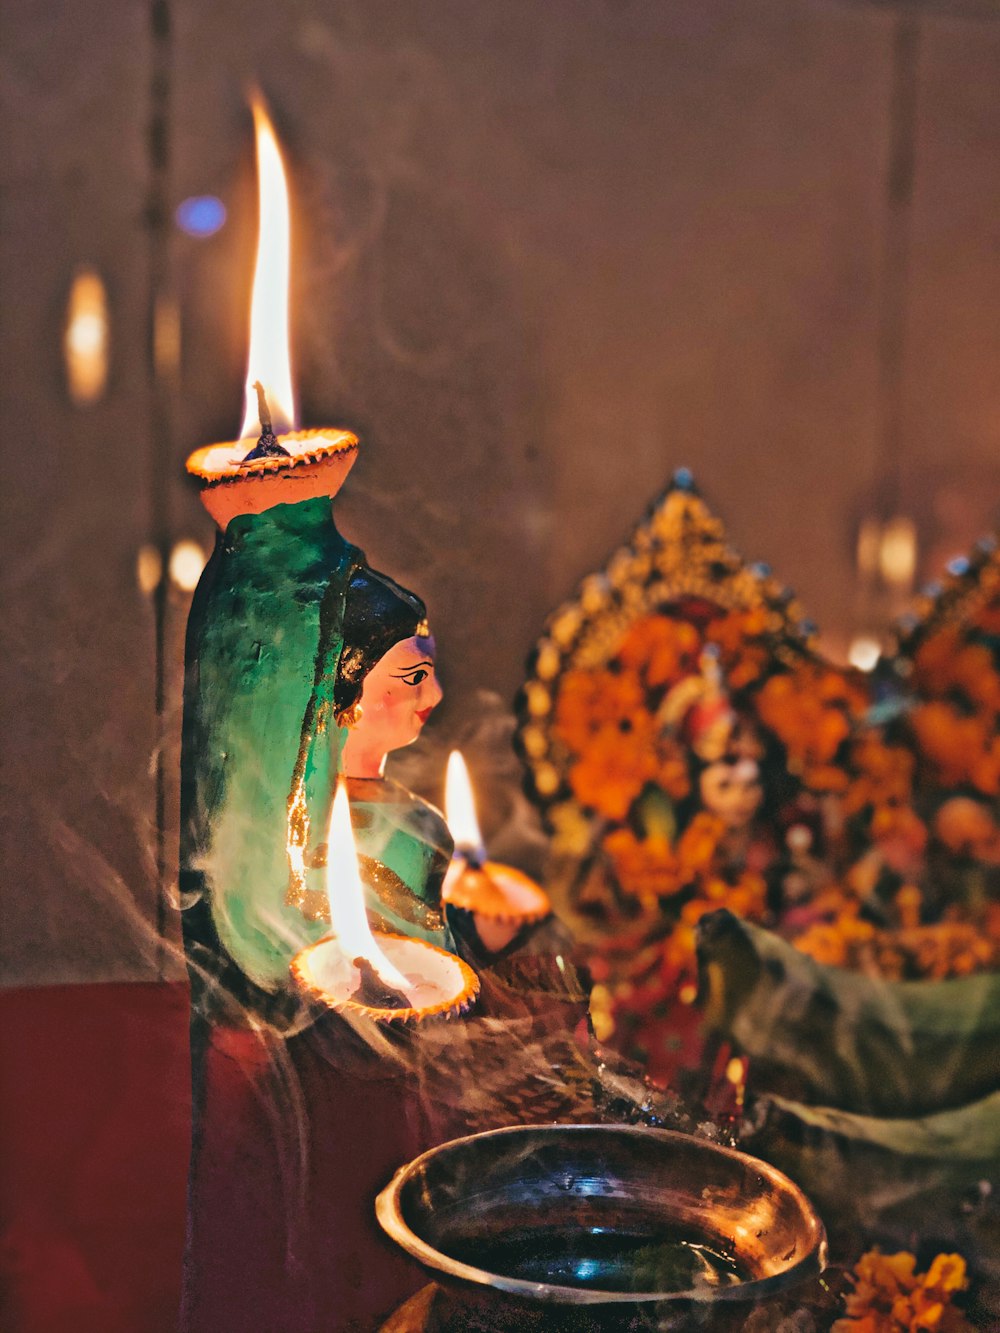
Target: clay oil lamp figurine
{"x":366,"y":974}
{"x":501,"y":899}
{"x":263,"y":642}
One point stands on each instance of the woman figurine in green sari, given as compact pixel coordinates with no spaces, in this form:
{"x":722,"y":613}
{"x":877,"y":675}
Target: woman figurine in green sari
{"x":385,"y":690}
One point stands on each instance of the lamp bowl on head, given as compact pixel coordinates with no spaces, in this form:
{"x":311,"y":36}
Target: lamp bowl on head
{"x":317,"y":464}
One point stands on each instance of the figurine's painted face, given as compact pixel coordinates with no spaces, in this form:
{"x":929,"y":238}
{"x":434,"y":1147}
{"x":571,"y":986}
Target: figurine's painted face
{"x":732,"y":791}
{"x":399,"y":695}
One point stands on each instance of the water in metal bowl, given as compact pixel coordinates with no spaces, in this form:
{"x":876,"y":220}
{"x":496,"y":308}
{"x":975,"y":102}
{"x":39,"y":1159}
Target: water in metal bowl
{"x":602,"y":1215}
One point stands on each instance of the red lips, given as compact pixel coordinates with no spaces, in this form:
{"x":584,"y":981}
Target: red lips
{"x":424,"y":713}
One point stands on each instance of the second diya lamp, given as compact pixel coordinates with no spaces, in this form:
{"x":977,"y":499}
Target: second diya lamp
{"x":361,"y":973}
{"x":502,"y":899}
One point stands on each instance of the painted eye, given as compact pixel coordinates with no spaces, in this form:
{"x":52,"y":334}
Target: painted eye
{"x":417,"y":676}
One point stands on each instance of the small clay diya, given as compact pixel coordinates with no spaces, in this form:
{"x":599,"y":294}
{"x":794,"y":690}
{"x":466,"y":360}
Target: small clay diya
{"x":311,"y":463}
{"x":440,"y":985}
{"x":494,"y":891}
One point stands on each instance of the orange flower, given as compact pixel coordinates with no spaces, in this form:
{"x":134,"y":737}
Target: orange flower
{"x":974,"y":673}
{"x":844,"y":688}
{"x":984,"y":772}
{"x":888,"y":765}
{"x":967,"y":828}
{"x":835,"y":943}
{"x":885,"y":775}
{"x":950,"y":949}
{"x":651,"y":868}
{"x":590,"y":701}
{"x":987,"y":618}
{"x":615,"y":767}
{"x":933,"y":659}
{"x":680,"y":948}
{"x":951,"y":742}
{"x":901,"y":826}
{"x":810,"y":710}
{"x":660,"y":649}
{"x":746,"y":667}
{"x":945,"y":663}
{"x":671,"y":773}
{"x":889,"y":1296}
{"x":824,"y":943}
{"x":888,"y":1272}
{"x":946,"y":1273}
{"x":731,"y":631}
{"x":908,"y":901}
{"x":825,"y":778}
{"x":646,"y":868}
{"x":746,"y":898}
{"x":697,"y":844}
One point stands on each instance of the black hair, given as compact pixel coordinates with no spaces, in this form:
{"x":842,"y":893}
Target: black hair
{"x":377,"y":614}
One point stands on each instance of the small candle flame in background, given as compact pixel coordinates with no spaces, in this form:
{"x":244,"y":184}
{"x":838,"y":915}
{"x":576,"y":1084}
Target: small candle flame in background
{"x":501,"y":897}
{"x":460,"y":811}
{"x":347,"y":896}
{"x":270,"y":356}
{"x":85,"y":341}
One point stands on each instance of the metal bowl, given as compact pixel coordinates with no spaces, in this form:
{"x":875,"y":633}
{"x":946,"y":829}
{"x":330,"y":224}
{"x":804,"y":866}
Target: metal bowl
{"x":602,"y":1216}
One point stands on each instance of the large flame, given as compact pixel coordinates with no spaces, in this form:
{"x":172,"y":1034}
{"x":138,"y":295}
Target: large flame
{"x":460,"y":809}
{"x":270,"y":358}
{"x":347,"y":896}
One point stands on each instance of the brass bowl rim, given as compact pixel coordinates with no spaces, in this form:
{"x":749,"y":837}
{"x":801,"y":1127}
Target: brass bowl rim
{"x":390,"y":1217}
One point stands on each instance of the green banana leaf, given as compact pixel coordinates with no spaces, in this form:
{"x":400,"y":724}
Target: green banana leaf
{"x":841,"y":1039}
{"x":965,"y":1134}
{"x":931,"y":1180}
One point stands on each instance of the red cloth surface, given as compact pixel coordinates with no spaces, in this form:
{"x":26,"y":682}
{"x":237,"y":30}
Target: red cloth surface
{"x":293,"y":1147}
{"x":95,"y":1123}
{"x":95,"y":1118}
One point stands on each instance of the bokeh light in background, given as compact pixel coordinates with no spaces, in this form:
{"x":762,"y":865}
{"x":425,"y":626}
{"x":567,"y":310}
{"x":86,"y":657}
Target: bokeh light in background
{"x":85,"y":341}
{"x":187,"y":560}
{"x":897,"y":557}
{"x":864,"y":652}
{"x":167,"y":336}
{"x":869,"y":543}
{"x":148,"y":568}
{"x":201,"y":215}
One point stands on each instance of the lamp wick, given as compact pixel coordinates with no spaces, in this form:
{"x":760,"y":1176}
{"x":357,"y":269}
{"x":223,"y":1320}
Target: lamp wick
{"x":267,"y":446}
{"x":263,"y":411}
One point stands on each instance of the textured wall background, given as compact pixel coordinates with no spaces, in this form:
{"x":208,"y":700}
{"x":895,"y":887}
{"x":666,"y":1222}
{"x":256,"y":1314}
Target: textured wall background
{"x":544,"y":255}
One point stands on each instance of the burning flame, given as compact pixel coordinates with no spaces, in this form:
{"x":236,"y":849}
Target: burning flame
{"x":347,"y":896}
{"x":460,"y":809}
{"x":270,"y":360}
